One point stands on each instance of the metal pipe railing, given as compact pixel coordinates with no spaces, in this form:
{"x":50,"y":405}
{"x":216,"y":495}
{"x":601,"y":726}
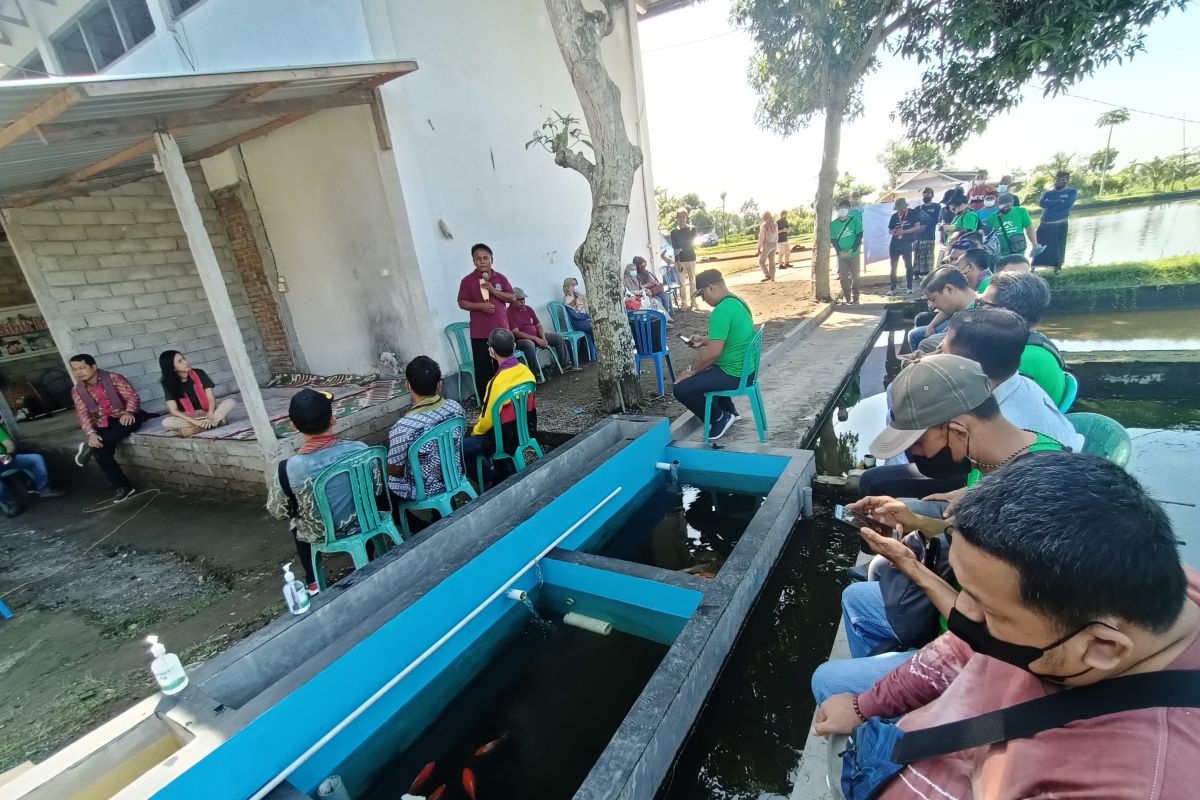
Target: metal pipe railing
{"x":416,"y":662}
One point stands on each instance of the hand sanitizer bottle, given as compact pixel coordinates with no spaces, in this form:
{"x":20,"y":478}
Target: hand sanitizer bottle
{"x":294,"y":593}
{"x":166,"y":668}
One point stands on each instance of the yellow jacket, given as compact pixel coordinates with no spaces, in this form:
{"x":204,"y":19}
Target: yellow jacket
{"x":508,"y":377}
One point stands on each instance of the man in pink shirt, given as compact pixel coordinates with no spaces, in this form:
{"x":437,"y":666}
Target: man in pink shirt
{"x":484,"y":293}
{"x":1070,"y":576}
{"x":109,"y":410}
{"x":530,"y":335}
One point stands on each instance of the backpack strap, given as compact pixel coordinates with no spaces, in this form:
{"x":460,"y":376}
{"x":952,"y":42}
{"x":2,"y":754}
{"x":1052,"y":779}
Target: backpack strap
{"x":1039,"y":339}
{"x":1166,"y":689}
{"x":285,"y":484}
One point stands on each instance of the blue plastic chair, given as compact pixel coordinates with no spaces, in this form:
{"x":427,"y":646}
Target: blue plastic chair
{"x":458,"y":334}
{"x":748,"y":386}
{"x":642,"y":323}
{"x":560,"y":320}
{"x":365,"y":469}
{"x":1070,"y":393}
{"x":448,"y":437}
{"x":1103,"y":437}
{"x":516,"y":397}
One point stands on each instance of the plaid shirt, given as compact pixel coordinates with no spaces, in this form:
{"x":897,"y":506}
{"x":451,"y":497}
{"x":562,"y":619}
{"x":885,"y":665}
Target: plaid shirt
{"x":412,"y":426}
{"x":125,"y":391}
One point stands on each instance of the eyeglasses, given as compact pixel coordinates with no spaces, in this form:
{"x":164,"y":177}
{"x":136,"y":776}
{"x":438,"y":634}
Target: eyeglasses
{"x":981,"y":303}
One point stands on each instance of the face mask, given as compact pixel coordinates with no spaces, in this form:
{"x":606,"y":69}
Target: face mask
{"x":1003,"y":187}
{"x":989,"y":203}
{"x":979,"y":639}
{"x":928,"y":199}
{"x":632,"y":273}
{"x":1005,"y":209}
{"x":843,"y":213}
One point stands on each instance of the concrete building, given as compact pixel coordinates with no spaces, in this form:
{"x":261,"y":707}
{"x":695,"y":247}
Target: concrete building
{"x":341,"y":227}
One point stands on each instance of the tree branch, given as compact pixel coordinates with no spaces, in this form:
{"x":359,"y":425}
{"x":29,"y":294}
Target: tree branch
{"x":570,"y":159}
{"x":879,"y":32}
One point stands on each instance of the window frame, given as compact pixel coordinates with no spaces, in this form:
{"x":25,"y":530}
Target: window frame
{"x":124,"y":34}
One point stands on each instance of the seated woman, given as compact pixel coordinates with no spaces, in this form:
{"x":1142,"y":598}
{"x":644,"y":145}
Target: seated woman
{"x":637,"y":296}
{"x":191,"y":406}
{"x":577,"y":307}
{"x":650,"y":283}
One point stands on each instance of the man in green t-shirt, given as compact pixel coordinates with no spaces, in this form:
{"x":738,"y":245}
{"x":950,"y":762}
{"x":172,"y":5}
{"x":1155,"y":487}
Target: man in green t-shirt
{"x":31,"y":463}
{"x":846,"y":234}
{"x":1014,"y":226}
{"x":719,"y":367}
{"x":1029,"y":295}
{"x":965,"y":222}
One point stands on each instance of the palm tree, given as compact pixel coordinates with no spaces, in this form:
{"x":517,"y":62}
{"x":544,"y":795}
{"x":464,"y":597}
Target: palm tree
{"x":1159,"y":171}
{"x":1118,"y":116}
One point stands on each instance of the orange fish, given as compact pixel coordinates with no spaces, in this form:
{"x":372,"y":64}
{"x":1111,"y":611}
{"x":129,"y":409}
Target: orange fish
{"x":487,"y":749}
{"x":438,"y":792}
{"x":469,"y":782}
{"x":422,"y":778}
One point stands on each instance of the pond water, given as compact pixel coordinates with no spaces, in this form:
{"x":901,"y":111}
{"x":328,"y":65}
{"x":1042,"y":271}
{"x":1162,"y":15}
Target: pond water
{"x":1173,"y":329}
{"x":1138,"y":233}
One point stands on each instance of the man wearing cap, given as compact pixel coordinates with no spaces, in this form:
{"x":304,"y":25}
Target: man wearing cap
{"x":1013,"y":225}
{"x":928,"y":215}
{"x":509,"y":373}
{"x":530,"y":335}
{"x":484,"y":293}
{"x":1052,"y":230}
{"x":903,"y":228}
{"x":291,"y":493}
{"x":719,"y":366}
{"x":942,"y":401}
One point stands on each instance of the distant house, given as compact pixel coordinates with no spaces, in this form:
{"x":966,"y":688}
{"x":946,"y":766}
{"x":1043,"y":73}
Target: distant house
{"x":912,"y":183}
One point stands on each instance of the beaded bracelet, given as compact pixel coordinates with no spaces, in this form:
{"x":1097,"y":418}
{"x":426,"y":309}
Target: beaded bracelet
{"x":857,"y":712}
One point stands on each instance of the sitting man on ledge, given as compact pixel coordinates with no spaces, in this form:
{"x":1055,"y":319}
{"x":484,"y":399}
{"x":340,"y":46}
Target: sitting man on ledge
{"x":109,"y":409}
{"x":719,"y":367}
{"x":1070,"y":579}
{"x":509,"y":373}
{"x":33,"y":464}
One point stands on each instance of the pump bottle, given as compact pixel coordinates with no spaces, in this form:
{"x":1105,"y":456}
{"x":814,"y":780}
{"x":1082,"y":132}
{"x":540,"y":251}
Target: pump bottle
{"x":166,"y":668}
{"x":294,"y":593}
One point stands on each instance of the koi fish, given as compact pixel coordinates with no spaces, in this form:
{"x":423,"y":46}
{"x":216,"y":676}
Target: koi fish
{"x":438,"y":792}
{"x":422,"y":778}
{"x":488,"y":748}
{"x":468,"y":782}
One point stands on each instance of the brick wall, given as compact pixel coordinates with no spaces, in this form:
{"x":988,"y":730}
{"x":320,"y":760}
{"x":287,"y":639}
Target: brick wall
{"x":249,"y":260}
{"x":122,"y":279}
{"x":14,"y":291}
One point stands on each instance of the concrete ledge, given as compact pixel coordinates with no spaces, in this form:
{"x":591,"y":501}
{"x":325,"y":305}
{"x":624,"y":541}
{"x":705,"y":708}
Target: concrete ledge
{"x":1138,"y":375}
{"x":1139,"y":298}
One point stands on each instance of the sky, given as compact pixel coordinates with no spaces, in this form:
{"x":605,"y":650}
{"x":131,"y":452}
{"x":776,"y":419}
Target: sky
{"x":703,"y":139}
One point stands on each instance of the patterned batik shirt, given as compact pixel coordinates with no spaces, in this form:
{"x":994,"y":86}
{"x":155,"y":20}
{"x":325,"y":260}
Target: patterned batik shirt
{"x":415,"y":423}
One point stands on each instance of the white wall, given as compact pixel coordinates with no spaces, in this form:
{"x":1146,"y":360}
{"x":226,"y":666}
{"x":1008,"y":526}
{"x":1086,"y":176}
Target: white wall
{"x":351,"y":293}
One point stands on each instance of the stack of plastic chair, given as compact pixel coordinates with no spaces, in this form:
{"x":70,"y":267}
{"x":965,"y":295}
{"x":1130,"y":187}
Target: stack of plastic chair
{"x":650,"y":339}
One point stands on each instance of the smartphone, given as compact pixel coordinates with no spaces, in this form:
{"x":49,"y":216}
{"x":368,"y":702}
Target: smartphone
{"x":686,"y":340}
{"x":856,"y":521}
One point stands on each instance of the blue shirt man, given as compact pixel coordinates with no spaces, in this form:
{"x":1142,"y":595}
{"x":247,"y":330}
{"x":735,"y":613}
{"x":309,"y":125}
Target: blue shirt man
{"x":1052,"y":231}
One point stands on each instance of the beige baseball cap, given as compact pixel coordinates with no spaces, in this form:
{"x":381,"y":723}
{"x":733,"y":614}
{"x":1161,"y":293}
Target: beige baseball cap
{"x":931,"y":392}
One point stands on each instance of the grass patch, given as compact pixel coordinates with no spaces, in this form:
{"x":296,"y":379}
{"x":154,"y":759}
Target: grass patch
{"x":745,"y":242}
{"x":1164,"y":272}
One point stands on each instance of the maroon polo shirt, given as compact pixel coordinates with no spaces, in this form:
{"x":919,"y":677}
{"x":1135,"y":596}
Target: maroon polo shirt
{"x":524,"y":319}
{"x":483,"y":324}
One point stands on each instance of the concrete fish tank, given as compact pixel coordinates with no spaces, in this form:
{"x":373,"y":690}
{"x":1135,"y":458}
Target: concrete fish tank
{"x":556,"y":638}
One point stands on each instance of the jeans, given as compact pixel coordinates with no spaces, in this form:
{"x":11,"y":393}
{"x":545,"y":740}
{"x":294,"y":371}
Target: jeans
{"x":908,"y":480}
{"x":854,"y":675}
{"x":917,"y":334}
{"x":867,"y":624}
{"x":690,"y":392}
{"x":583,"y":324}
{"x":32,"y":463}
{"x":111,"y":435}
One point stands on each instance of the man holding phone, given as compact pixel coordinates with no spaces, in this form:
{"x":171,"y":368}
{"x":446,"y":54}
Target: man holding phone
{"x":719,"y":367}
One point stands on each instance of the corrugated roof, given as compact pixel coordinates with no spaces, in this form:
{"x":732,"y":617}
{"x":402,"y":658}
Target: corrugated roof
{"x":56,"y":133}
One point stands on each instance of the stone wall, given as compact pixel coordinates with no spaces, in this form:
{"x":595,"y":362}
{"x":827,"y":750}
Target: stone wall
{"x":14,"y":291}
{"x":121,"y":278}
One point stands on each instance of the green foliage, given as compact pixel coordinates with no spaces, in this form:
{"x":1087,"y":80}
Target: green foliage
{"x":669,"y":205}
{"x":1174,"y":172}
{"x":559,"y":133}
{"x":897,"y":158}
{"x":1118,"y":116}
{"x":1164,"y":272}
{"x":1102,"y":160}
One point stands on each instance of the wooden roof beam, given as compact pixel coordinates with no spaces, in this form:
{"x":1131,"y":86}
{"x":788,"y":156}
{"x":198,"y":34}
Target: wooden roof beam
{"x":53,"y":106}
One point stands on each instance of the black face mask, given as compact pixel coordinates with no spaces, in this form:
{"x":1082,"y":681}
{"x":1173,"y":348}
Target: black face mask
{"x":979,"y":639}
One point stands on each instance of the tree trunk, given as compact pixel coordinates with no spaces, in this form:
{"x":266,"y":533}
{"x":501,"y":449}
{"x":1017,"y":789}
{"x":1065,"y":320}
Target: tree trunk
{"x":1104,"y":172}
{"x":579,"y":33}
{"x":827,"y":179}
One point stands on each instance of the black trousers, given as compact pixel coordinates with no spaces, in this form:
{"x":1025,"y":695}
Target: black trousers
{"x":111,"y":435}
{"x":902,"y":252}
{"x":485,"y":367}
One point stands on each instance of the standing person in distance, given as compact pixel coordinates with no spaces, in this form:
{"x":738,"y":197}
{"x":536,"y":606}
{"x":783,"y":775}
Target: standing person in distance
{"x":928,"y":216}
{"x":683,"y":238}
{"x":846,"y":234}
{"x":785,"y":251}
{"x":768,"y":244}
{"x":1052,"y":230}
{"x":1013,"y":225}
{"x":903,"y":227}
{"x":484,"y":293}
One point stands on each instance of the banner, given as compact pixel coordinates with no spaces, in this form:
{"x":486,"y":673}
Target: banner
{"x":876,"y":238}
{"x":23,"y":333}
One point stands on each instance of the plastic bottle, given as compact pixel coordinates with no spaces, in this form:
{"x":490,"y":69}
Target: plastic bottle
{"x":166,"y":668}
{"x":294,"y":593}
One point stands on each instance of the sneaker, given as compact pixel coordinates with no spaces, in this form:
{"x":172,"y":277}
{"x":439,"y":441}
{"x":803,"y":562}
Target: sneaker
{"x":83,"y":454}
{"x":123,"y":494}
{"x":49,"y":493}
{"x":720,"y":426}
{"x":312,"y":589}
{"x":9,"y":509}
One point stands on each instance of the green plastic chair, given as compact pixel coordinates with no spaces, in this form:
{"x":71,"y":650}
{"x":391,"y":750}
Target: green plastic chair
{"x":458,"y":334}
{"x":361,"y":469}
{"x":750,"y":365}
{"x":1103,"y":437}
{"x":448,"y":435}
{"x":516,"y":396}
{"x":1070,"y":393}
{"x":537,"y":365}
{"x":561,"y":322}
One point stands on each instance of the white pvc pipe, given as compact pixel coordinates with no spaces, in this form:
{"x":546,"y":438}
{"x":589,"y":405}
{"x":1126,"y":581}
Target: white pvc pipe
{"x":419,"y":660}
